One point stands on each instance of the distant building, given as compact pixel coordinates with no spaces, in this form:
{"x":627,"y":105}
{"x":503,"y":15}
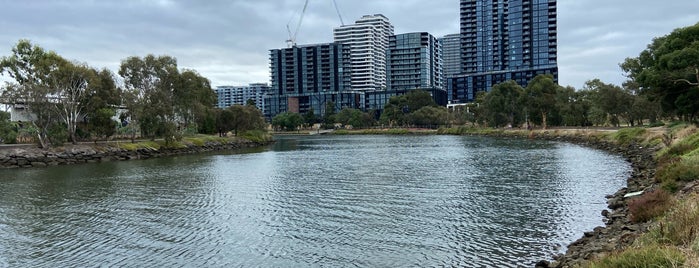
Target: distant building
{"x":307,"y":77}
{"x":414,"y":61}
{"x":503,"y":40}
{"x":232,"y":95}
{"x":451,"y":54}
{"x":367,"y":40}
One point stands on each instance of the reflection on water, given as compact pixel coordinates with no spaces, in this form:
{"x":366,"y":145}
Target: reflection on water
{"x":313,"y":201}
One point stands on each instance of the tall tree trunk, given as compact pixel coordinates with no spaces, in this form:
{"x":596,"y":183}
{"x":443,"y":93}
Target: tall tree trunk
{"x":543,"y":119}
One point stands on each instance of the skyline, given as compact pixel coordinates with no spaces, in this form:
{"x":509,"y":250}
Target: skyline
{"x":229,"y":41}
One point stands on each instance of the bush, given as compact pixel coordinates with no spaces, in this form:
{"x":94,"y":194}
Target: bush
{"x":57,"y":134}
{"x":258,"y":136}
{"x":644,"y":257}
{"x":683,"y":170}
{"x":628,"y":135}
{"x":649,"y":205}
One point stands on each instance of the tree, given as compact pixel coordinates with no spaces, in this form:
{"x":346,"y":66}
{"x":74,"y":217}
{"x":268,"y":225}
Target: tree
{"x":309,"y":118}
{"x":540,"y":97}
{"x":573,"y":106}
{"x":246,"y":118}
{"x":149,"y":88}
{"x":8,"y":130}
{"x":329,"y":115}
{"x":34,"y":69}
{"x":193,"y":98}
{"x":503,"y":104}
{"x":609,"y":100}
{"x":224,"y":121}
{"x":430,"y":116}
{"x":398,"y":108}
{"x":354,"y":118}
{"x":668,"y":70}
{"x":72,"y":86}
{"x":287,"y":121}
{"x":101,"y":123}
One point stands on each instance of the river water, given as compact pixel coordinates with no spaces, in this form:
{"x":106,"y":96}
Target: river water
{"x":330,"y":201}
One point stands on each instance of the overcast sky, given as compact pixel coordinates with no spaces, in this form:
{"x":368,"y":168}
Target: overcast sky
{"x":227,"y":41}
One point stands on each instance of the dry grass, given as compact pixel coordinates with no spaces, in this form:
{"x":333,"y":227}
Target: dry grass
{"x":650,"y":205}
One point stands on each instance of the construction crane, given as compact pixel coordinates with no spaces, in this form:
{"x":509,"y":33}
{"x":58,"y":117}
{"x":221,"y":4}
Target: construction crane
{"x":337,"y":9}
{"x":291,"y":42}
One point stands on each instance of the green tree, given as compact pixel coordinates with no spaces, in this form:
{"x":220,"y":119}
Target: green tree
{"x":224,"y":121}
{"x":503,"y":104}
{"x":430,"y":116}
{"x":8,"y":130}
{"x":287,"y":121}
{"x":193,"y":98}
{"x":309,"y":118}
{"x":33,"y":69}
{"x":610,"y":101}
{"x":540,"y":97}
{"x":574,"y":106}
{"x":150,"y":84}
{"x":398,"y":108}
{"x":246,"y":118}
{"x":354,"y":118}
{"x":668,"y":69}
{"x":101,"y":123}
{"x":329,"y":115}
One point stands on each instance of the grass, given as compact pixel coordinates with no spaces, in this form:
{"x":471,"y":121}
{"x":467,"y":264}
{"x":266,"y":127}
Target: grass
{"x":680,"y":227}
{"x":627,"y":136}
{"x":195,"y":140}
{"x":258,"y":136}
{"x":643,"y":257}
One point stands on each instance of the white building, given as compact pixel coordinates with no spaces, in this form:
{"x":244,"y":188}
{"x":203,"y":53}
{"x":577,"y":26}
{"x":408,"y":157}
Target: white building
{"x":368,"y":40}
{"x":231,"y":95}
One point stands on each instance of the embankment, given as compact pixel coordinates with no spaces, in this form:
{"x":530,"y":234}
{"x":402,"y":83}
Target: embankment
{"x":27,"y":157}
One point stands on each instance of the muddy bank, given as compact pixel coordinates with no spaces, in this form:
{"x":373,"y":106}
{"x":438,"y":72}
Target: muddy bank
{"x":27,"y":157}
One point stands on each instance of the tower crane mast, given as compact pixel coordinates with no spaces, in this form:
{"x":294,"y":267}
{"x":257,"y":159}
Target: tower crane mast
{"x":291,"y":42}
{"x":292,"y":37}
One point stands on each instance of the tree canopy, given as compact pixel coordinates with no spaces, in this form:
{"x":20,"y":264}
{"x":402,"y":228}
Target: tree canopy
{"x":668,"y":70}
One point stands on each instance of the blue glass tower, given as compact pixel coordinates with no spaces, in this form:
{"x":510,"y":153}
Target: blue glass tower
{"x":504,"y":40}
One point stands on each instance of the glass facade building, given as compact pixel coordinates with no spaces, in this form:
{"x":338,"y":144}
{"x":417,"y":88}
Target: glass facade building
{"x":451,"y":54}
{"x":306,"y":77}
{"x":502,"y":40}
{"x":414,"y":61}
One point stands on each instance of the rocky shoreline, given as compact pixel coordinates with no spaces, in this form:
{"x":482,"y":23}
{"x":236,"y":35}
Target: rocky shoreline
{"x":28,"y":157}
{"x":619,"y":232}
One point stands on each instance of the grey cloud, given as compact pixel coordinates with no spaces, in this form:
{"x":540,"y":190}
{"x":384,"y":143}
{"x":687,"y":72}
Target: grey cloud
{"x":228,"y":40}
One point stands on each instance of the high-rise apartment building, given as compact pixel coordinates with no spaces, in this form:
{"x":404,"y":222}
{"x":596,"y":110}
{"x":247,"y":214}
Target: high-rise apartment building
{"x":307,"y":77}
{"x":504,"y":40}
{"x":367,"y":39}
{"x":451,"y":54}
{"x":414,"y":61}
{"x":232,"y":95}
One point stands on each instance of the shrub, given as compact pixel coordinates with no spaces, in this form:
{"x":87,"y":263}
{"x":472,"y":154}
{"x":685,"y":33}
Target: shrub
{"x":629,"y":135}
{"x":258,"y":136}
{"x":683,"y":170}
{"x":649,"y":205}
{"x":644,"y":257}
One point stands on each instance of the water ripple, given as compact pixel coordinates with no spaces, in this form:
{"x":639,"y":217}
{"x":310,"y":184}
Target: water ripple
{"x":314,"y":201}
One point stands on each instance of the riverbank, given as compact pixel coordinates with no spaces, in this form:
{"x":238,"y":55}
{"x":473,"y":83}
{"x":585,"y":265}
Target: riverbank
{"x":653,"y":220}
{"x":30,"y":156}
